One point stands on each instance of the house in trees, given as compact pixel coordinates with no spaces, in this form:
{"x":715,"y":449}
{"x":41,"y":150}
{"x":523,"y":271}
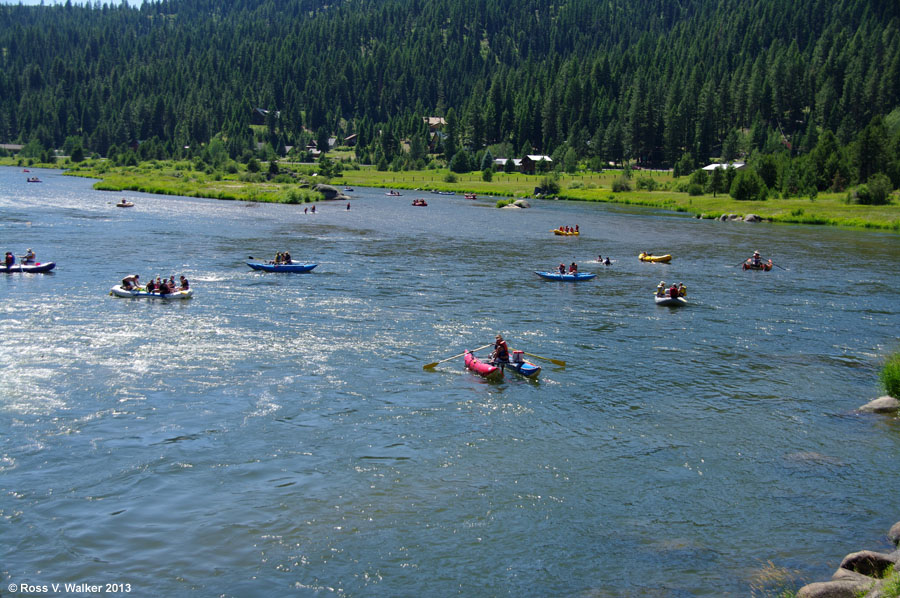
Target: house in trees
{"x":531,"y":161}
{"x":435,"y":123}
{"x":723,"y":166}
{"x":259,"y":115}
{"x":500,"y":163}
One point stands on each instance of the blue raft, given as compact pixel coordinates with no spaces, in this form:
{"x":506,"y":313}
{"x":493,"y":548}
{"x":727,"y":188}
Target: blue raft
{"x":292,"y":267}
{"x":577,"y":277}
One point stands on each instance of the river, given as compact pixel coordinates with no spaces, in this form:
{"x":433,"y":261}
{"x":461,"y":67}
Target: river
{"x":278,"y":435}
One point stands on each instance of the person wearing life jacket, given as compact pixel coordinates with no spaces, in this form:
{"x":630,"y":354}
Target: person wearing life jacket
{"x":573,"y":268}
{"x":184,"y":283}
{"x":10,"y":259}
{"x":28,"y":258}
{"x":561,"y":268}
{"x":606,"y":262}
{"x":682,"y":290}
{"x":661,"y":289}
{"x":673,"y":291}
{"x":501,"y":351}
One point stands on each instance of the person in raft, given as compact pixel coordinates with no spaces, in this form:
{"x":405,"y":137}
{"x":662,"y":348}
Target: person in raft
{"x":606,"y":262}
{"x":561,"y":268}
{"x":573,"y":268}
{"x":131,"y":282}
{"x":756,"y":260}
{"x":501,"y":351}
{"x":28,"y":258}
{"x":10,"y":259}
{"x":661,"y":289}
{"x":673,"y":291}
{"x":682,"y":290}
{"x":184,"y":283}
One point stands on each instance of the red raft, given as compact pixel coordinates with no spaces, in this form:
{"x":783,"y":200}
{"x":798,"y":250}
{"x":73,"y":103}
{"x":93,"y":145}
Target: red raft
{"x":481,"y":368}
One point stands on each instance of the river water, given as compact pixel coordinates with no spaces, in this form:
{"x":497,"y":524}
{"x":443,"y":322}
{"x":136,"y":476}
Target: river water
{"x":277,"y":434}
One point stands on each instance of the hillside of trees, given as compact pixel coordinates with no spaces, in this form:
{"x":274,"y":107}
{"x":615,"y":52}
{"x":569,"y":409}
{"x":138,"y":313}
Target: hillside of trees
{"x":656,"y":82}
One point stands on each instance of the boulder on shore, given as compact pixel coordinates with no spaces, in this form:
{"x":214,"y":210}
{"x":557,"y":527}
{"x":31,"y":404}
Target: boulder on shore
{"x":330,"y":192}
{"x":752,"y":218}
{"x":883,"y":404}
{"x":894,"y":534}
{"x":860,"y":574}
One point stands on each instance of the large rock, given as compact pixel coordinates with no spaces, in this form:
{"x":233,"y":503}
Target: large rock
{"x":752,"y":218}
{"x":881,"y":405}
{"x":521,"y":203}
{"x":835,"y":589}
{"x":329,"y":192}
{"x":868,"y":562}
{"x":894,"y":534}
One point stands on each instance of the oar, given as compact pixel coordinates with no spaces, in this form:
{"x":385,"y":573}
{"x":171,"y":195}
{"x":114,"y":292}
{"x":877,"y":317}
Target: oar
{"x":777,"y":266}
{"x":741,"y":264}
{"x":556,"y":361}
{"x":428,"y":366}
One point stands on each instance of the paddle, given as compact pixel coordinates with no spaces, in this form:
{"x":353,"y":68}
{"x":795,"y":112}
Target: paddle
{"x":428,"y":366}
{"x":556,"y":361}
{"x":777,"y":266}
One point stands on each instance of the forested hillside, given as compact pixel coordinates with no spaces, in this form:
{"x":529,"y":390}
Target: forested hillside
{"x":646,"y":80}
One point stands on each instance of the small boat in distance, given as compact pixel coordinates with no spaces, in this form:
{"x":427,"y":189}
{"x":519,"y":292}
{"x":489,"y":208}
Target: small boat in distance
{"x":662,"y":259}
{"x":419,"y":202}
{"x":32,"y":268}
{"x":141,"y":293}
{"x":393,"y":193}
{"x":33,"y":179}
{"x":125,"y":204}
{"x":348,"y":189}
{"x":564,"y":233}
{"x":576,"y":277}
{"x":291,"y":267}
{"x":670,"y":301}
{"x":470,"y":196}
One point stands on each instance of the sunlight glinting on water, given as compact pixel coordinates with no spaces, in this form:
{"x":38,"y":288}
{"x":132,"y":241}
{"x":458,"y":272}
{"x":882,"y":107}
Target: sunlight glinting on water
{"x":282,"y":427}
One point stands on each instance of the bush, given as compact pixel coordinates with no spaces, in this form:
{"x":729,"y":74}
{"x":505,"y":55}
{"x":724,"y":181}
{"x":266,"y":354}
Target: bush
{"x":890,"y":375}
{"x":647,"y":183}
{"x":549,"y":185}
{"x":876,"y":192}
{"x":487,"y":175}
{"x":747,"y":186}
{"x":695,"y":189}
{"x":450,"y":178}
{"x":621,"y":185}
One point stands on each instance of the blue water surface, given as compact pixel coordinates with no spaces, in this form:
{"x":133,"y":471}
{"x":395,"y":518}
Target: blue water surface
{"x":278,"y":435}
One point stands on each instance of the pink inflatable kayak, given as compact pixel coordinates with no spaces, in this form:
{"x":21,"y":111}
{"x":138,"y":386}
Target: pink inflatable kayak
{"x":482,"y":369}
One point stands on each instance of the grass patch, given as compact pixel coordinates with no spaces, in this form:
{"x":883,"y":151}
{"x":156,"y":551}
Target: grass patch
{"x":890,"y":375}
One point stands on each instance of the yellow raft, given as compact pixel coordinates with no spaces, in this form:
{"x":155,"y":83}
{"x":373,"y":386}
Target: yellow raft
{"x":646,"y":257}
{"x":556,"y":231}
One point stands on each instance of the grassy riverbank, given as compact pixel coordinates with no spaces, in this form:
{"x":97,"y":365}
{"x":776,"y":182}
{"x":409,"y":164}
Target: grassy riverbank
{"x":828,"y":208}
{"x":293,"y":185}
